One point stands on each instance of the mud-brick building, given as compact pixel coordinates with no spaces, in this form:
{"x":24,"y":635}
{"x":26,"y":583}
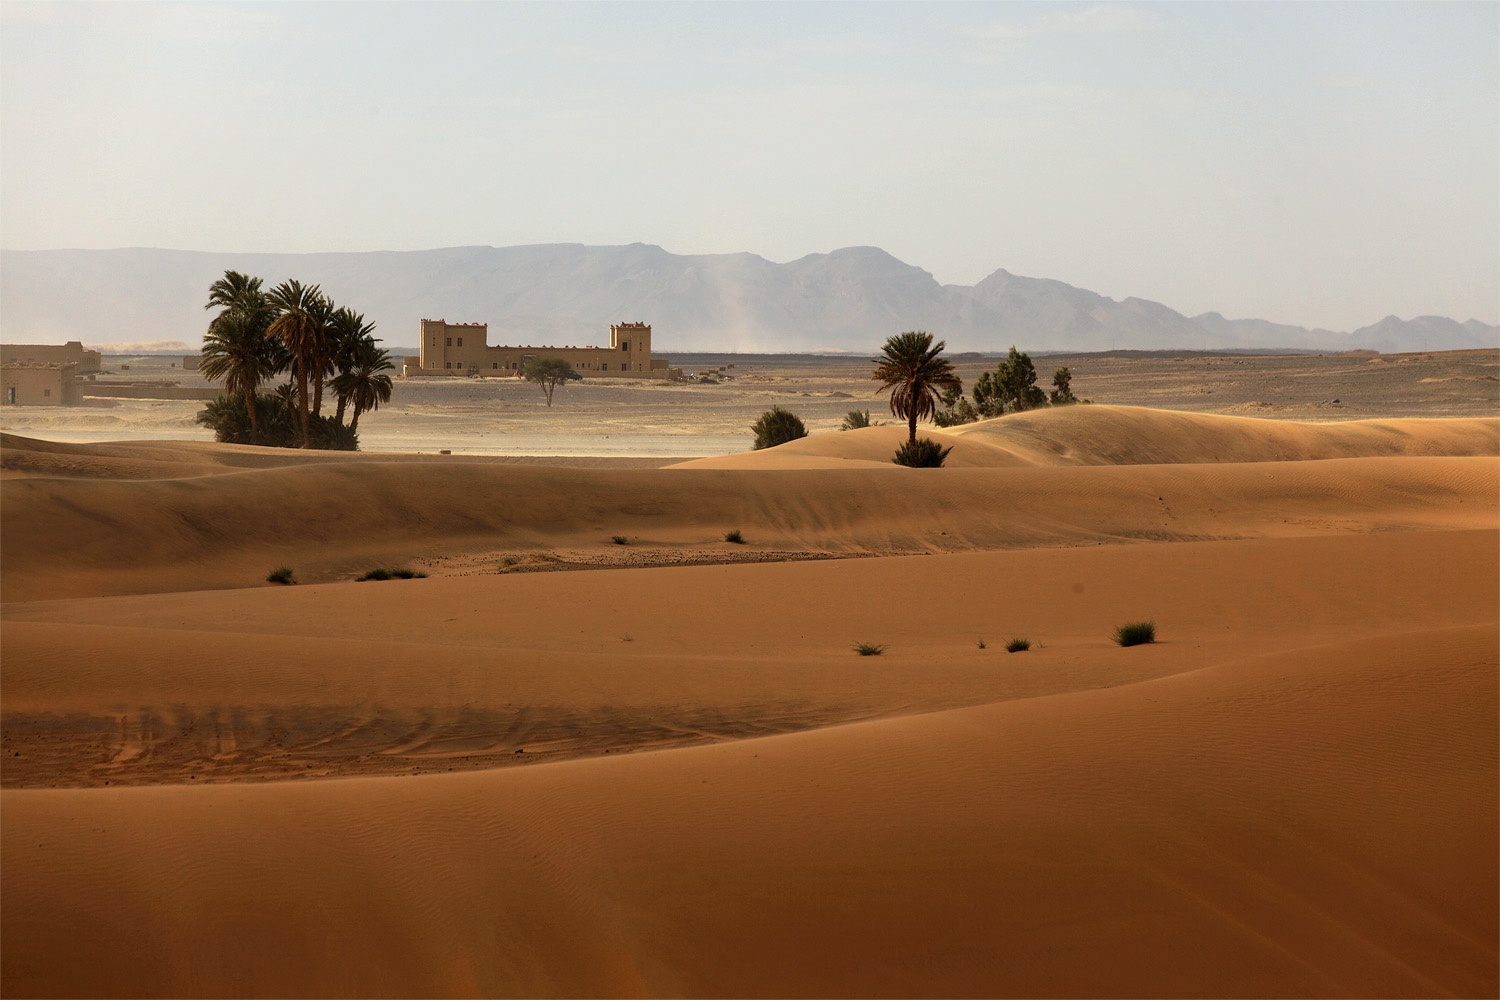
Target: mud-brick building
{"x":39,"y":385}
{"x":464,"y":349}
{"x":71,"y":353}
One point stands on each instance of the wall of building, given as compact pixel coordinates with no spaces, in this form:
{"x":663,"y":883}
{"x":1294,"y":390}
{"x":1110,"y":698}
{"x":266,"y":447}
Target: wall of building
{"x":71,"y":353}
{"x":464,"y":349}
{"x":146,"y":390}
{"x":38,"y":385}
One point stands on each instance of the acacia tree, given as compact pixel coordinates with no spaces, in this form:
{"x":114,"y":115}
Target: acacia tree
{"x":911,"y":368}
{"x":1015,"y":383}
{"x":1010,"y":388}
{"x":1062,"y":392}
{"x":549,"y":373}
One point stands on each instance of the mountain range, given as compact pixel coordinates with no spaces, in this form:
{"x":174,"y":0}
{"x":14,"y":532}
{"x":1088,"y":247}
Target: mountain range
{"x":847,"y":300}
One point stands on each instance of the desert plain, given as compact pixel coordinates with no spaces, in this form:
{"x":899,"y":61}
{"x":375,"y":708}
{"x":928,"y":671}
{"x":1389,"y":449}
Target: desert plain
{"x":562,"y":764}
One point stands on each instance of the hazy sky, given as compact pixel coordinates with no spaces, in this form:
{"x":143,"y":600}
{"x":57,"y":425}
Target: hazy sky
{"x":1320,"y":164}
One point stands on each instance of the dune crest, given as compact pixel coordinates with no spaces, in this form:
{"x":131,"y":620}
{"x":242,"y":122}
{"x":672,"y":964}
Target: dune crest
{"x":1127,"y":435}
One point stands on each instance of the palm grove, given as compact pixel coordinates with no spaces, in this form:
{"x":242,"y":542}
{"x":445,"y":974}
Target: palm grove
{"x":292,"y":330}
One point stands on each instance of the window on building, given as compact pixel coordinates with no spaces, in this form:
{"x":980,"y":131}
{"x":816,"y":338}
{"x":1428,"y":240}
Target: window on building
{"x":10,"y":394}
{"x":448,"y":341}
{"x":460,"y":341}
{"x":514,"y":366}
{"x":624,"y":345}
{"x":447,"y":364}
{"x":604,"y":367}
{"x":46,"y":392}
{"x":494,"y":364}
{"x":434,"y":341}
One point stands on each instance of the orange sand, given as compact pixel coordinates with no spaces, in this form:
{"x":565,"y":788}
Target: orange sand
{"x":1293,"y":792}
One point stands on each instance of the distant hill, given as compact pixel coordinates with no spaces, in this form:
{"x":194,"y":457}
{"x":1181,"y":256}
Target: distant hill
{"x":847,"y":300}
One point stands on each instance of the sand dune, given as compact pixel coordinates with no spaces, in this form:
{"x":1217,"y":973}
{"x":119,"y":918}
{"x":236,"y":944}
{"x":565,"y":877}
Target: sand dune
{"x":335,"y":518}
{"x":1125,"y":435}
{"x":1294,"y":792}
{"x":1318,"y":818}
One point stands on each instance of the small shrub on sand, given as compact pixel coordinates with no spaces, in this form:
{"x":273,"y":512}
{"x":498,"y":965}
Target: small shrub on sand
{"x":281,"y":574}
{"x":982,"y":644}
{"x":868,"y":649}
{"x":855,"y":419}
{"x":923,"y":453}
{"x":391,"y":574}
{"x":735,"y":537}
{"x":1018,"y":645}
{"x":1135,"y":633}
{"x":777,"y":426}
{"x":618,"y":539}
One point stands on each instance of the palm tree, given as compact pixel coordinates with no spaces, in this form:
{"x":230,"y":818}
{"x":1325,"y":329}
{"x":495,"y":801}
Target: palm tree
{"x":348,"y":335}
{"x":235,"y":348}
{"x":298,"y":325}
{"x":322,"y":356}
{"x":234,"y":290}
{"x":910,"y":367}
{"x":364,"y":386}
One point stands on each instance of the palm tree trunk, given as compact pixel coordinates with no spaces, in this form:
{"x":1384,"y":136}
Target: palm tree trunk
{"x":912,"y":423}
{"x":354,"y":424}
{"x":302,"y":400}
{"x":317,"y":406}
{"x":338,"y":415}
{"x":250,"y":405}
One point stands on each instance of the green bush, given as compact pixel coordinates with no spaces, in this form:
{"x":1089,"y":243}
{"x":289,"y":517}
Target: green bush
{"x":735,"y":537}
{"x":1018,"y":645}
{"x":868,"y":649}
{"x":855,"y":419}
{"x":1135,"y":633}
{"x":982,"y":644}
{"x":330,"y":435}
{"x":619,"y":539}
{"x":777,"y":426}
{"x":277,"y":425}
{"x":923,"y":453}
{"x":281,"y":574}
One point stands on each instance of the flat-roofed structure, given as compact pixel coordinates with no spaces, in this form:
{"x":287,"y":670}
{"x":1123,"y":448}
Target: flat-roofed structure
{"x":39,"y":385}
{"x":71,"y":353}
{"x":464,"y":349}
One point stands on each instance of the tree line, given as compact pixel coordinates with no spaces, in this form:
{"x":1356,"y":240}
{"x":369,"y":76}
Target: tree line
{"x":296,"y":330}
{"x":924,"y":384}
{"x":920,"y":379}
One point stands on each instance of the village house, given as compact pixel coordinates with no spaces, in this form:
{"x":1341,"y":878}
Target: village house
{"x":71,"y":353}
{"x":39,"y":384}
{"x":463,"y":349}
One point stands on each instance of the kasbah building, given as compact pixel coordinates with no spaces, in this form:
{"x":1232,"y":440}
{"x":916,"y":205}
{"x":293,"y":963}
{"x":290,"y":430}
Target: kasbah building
{"x":44,"y":374}
{"x":463,"y":349}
